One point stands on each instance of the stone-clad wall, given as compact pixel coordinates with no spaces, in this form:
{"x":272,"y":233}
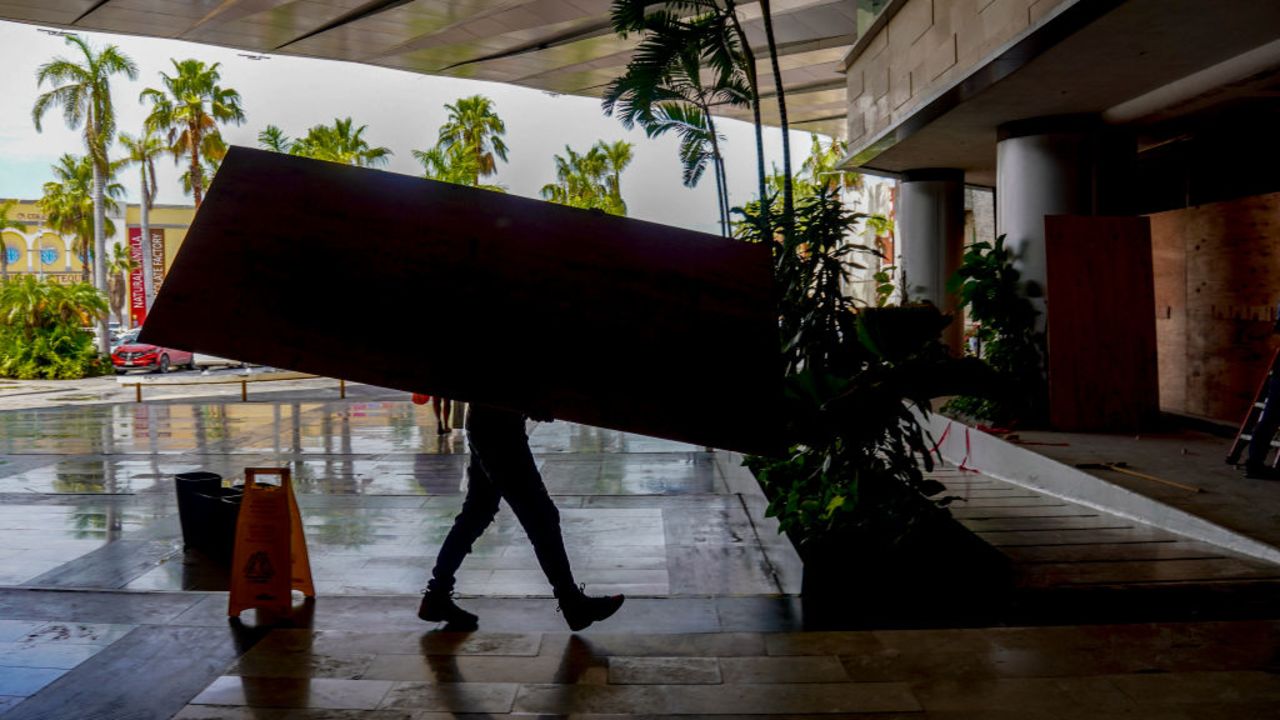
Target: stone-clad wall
{"x":929,"y":45}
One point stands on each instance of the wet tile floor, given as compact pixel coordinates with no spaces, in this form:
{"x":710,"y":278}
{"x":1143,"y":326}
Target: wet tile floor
{"x":378,"y":488}
{"x":102,"y":614}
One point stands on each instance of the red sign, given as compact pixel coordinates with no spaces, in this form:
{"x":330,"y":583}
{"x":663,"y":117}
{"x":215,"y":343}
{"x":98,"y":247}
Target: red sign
{"x":137,"y":303}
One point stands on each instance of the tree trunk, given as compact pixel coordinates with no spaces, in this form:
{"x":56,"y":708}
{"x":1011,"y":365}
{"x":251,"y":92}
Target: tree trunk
{"x":197,"y":189}
{"x":749,"y":59}
{"x":148,"y":289}
{"x":4,"y":258}
{"x":722,"y":187}
{"x":788,"y":206}
{"x":100,"y":252}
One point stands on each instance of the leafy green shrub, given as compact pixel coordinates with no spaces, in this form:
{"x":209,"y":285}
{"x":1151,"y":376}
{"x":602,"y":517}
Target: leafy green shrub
{"x":43,"y":335}
{"x":852,"y":377}
{"x":991,"y":292}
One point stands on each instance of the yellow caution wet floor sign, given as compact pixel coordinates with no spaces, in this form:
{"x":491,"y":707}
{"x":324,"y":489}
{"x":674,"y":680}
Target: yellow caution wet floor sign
{"x":270,"y":558}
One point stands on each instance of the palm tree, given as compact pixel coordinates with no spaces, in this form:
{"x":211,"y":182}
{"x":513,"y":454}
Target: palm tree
{"x":618,"y":155}
{"x":788,"y":203}
{"x":663,"y":90}
{"x":452,"y":166}
{"x":83,"y":91}
{"x":274,"y":139}
{"x":69,"y":207}
{"x":144,"y":150}
{"x":120,"y":267}
{"x":338,"y":143}
{"x":189,"y":110}
{"x":6,"y":224}
{"x":591,"y":180}
{"x":723,"y":43}
{"x":474,"y":129}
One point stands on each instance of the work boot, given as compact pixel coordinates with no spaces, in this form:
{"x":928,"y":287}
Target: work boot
{"x":1261,"y":472}
{"x":580,"y":609}
{"x":438,"y":606}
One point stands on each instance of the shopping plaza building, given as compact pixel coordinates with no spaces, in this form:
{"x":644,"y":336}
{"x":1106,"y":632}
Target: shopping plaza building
{"x":37,"y":250}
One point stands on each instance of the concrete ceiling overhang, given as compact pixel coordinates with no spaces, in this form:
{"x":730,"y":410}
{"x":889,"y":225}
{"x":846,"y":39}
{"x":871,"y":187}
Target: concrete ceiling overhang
{"x":559,"y":46}
{"x":1092,"y":57}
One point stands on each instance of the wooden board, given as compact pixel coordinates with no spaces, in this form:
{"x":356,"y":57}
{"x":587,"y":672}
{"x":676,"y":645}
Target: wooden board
{"x":422,"y":286}
{"x":1217,"y":281}
{"x":1101,"y":323}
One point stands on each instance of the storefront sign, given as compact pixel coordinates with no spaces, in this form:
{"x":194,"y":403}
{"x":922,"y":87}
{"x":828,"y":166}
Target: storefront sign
{"x":137,"y":303}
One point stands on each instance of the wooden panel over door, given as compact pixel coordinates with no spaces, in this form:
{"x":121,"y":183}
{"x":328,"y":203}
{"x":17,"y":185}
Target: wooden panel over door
{"x":1101,"y":323}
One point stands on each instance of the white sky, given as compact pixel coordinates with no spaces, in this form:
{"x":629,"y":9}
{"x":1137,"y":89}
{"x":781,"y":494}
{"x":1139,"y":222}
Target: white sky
{"x":403,"y":111}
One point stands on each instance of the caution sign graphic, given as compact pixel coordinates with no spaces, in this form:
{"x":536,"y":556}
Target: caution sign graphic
{"x":269,"y":540}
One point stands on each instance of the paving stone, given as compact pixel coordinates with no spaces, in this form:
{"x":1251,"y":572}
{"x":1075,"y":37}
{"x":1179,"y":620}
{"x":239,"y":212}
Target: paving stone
{"x":821,"y":643}
{"x":766,"y":670}
{"x":45,"y":655}
{"x":26,"y":680}
{"x":294,"y":693}
{"x":226,"y":712}
{"x":684,"y":645}
{"x":663,"y":671}
{"x":1199,"y":687}
{"x":453,"y":697}
{"x":566,"y":670}
{"x":718,"y":699}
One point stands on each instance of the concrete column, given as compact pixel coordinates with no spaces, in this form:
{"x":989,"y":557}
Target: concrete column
{"x":1062,"y":165}
{"x":930,"y":217}
{"x":1044,"y":167}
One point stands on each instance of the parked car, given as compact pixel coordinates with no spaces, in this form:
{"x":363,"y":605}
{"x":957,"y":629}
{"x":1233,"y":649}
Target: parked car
{"x":133,"y":355}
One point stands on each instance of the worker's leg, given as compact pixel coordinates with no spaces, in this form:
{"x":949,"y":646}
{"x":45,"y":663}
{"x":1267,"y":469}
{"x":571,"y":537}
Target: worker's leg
{"x":478,"y":510}
{"x":499,"y":442}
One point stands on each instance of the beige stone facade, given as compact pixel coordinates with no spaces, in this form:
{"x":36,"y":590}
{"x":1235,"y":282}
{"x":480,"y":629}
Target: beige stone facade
{"x":926,"y":47}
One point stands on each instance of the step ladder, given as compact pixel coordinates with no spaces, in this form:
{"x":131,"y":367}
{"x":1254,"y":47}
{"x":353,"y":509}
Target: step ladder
{"x":1251,"y":419}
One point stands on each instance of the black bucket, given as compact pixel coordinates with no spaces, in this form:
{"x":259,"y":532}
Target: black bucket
{"x":207,"y":511}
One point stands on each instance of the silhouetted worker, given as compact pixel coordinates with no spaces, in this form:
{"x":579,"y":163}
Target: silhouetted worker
{"x":502,"y":467}
{"x":1255,"y":464}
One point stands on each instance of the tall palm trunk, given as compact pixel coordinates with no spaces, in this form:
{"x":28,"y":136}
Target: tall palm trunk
{"x":197,"y":178}
{"x":717,"y":166}
{"x":145,"y":211}
{"x":749,"y":60}
{"x":788,"y":206}
{"x":100,"y":251}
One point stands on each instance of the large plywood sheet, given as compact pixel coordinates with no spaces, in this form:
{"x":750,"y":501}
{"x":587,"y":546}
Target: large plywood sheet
{"x":423,"y":286}
{"x":1222,"y":262}
{"x":1101,"y":321}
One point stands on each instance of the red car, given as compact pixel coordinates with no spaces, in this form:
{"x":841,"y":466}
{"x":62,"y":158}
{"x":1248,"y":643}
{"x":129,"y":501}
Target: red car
{"x":133,"y":355}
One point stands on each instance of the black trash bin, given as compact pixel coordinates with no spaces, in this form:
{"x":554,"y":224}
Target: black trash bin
{"x":207,"y":511}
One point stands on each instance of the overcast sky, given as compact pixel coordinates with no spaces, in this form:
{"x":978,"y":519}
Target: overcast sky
{"x":403,"y":111}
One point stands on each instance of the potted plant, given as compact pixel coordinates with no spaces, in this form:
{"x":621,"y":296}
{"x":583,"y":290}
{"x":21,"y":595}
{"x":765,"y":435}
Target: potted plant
{"x":877,"y":541}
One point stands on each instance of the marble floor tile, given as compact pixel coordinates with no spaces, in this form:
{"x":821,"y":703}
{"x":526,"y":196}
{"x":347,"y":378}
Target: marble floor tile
{"x":790,"y":670}
{"x":294,"y":693}
{"x":26,"y":680}
{"x":452,"y":697}
{"x":663,"y":671}
{"x":45,"y":655}
{"x":733,"y":700}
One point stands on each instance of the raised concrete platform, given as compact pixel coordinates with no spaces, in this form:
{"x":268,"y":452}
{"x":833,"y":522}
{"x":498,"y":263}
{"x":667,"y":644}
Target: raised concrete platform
{"x":1228,"y":511}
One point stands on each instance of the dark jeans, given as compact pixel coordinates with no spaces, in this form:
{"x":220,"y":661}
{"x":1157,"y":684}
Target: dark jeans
{"x":1265,"y":430}
{"x":503,"y":468}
